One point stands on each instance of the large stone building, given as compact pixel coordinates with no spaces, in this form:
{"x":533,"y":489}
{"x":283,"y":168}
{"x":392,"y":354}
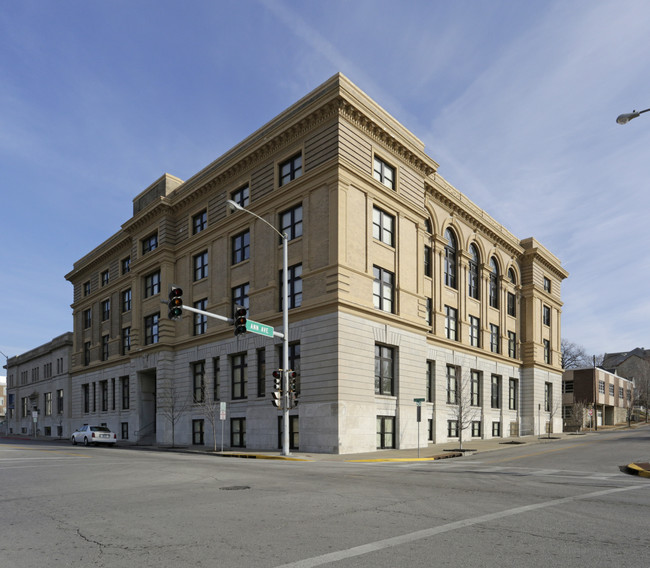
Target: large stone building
{"x":400,"y":288}
{"x":38,"y":390}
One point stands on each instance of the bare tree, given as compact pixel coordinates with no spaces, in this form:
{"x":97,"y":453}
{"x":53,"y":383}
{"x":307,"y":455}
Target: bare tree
{"x":467,"y":399}
{"x":578,"y":413}
{"x":172,"y":404}
{"x":575,"y":356}
{"x":211,"y":409}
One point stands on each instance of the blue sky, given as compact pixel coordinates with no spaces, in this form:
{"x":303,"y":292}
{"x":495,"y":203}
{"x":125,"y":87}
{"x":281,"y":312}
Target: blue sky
{"x":516,"y":100}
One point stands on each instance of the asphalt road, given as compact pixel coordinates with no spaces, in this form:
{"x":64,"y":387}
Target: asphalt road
{"x":564,"y":503}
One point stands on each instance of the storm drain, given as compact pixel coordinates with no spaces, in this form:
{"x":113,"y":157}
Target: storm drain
{"x":235,"y":488}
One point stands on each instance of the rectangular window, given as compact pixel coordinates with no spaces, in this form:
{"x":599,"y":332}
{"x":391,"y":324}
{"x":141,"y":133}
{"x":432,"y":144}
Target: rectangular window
{"x":547,"y":285}
{"x":113,"y":394}
{"x":611,"y":390}
{"x":496,"y":429}
{"x":621,"y":393}
{"x":198,"y":432}
{"x":105,"y":346}
{"x":47,"y":402}
{"x":152,"y":284}
{"x":103,"y":393}
{"x":105,"y":277}
{"x":567,"y":387}
{"x":428,"y":267}
{"x":126,"y":398}
{"x":546,"y":315}
{"x":201,"y":266}
{"x":261,"y":372}
{"x":126,"y":265}
{"x":495,"y":398}
{"x":242,"y":196}
{"x":452,"y":385}
{"x":384,"y":370}
{"x":238,"y":432}
{"x":429,"y":311}
{"x":474,"y":331}
{"x":383,"y":226}
{"x":240,"y":296}
{"x":452,"y":428}
{"x":87,"y":318}
{"x":198,"y":381}
{"x":290,"y":169}
{"x":150,"y":243}
{"x":241,"y":245}
{"x":239,"y":376}
{"x":59,"y":401}
{"x":151,"y":329}
{"x":547,"y":351}
{"x":601,"y":387}
{"x":476,"y":429}
{"x":126,"y":300}
{"x":513,"y":394}
{"x":451,"y":322}
{"x":383,"y":289}
{"x":494,"y":338}
{"x":385,"y":432}
{"x":294,"y":278}
{"x":86,"y":288}
{"x":512,"y":345}
{"x":384,"y":173}
{"x":291,"y":222}
{"x":431,"y":377}
{"x":199,"y":222}
{"x":512,"y":304}
{"x":200,"y":320}
{"x":548,"y":396}
{"x":87,"y":353}
{"x":106,"y":310}
{"x":126,"y":340}
{"x":85,"y":392}
{"x":216,"y":379}
{"x":124,"y":430}
{"x":475,"y":388}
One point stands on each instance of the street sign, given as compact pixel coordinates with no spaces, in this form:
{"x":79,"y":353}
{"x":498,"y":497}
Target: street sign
{"x":259,"y":328}
{"x":418,"y":400}
{"x":222,"y":411}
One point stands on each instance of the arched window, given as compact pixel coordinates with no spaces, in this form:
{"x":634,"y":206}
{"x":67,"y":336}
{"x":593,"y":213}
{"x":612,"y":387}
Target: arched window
{"x":427,"y":226}
{"x":494,"y":283}
{"x":512,"y":277}
{"x":473,"y":280}
{"x":451,"y":251}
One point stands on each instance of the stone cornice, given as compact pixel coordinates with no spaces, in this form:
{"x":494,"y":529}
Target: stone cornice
{"x":462,"y":207}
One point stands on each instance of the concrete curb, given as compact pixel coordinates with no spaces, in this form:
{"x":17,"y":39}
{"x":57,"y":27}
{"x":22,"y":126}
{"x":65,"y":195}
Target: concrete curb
{"x":640,"y":469}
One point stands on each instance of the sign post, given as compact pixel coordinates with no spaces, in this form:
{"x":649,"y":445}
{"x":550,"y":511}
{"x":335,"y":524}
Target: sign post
{"x":418,"y":402}
{"x":222,"y":417}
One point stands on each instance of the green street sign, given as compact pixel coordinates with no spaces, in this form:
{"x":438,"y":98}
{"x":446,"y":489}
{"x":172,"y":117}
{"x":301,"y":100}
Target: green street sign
{"x":259,"y":328}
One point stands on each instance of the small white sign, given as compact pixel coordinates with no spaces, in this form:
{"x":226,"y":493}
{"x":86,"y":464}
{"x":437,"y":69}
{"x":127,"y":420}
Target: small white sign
{"x":222,"y":411}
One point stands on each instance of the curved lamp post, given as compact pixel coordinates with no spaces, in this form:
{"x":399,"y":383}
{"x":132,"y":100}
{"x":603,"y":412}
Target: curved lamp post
{"x":625,"y":118}
{"x":234,"y":206}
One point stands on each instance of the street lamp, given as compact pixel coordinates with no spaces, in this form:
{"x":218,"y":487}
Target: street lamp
{"x":234,"y":206}
{"x":625,"y":118}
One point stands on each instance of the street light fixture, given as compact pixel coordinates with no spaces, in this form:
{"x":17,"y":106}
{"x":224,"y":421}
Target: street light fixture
{"x":625,"y":118}
{"x":234,"y":206}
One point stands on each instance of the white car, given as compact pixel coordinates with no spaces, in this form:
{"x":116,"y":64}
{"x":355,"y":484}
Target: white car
{"x":93,"y":435}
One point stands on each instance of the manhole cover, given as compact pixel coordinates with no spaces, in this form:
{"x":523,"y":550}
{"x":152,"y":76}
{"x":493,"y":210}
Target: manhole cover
{"x":235,"y":488}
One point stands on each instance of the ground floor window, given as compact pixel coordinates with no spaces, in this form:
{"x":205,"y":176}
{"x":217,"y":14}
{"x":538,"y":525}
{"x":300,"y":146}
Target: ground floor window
{"x":452,"y":428}
{"x":385,"y":432}
{"x":198,"y":432}
{"x":294,"y":433}
{"x":496,"y":429}
{"x":430,"y":438}
{"x":476,"y":429}
{"x":238,"y":432}
{"x":125,"y":430}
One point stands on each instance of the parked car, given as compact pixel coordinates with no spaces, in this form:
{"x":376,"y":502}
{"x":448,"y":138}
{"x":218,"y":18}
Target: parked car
{"x":93,"y":435}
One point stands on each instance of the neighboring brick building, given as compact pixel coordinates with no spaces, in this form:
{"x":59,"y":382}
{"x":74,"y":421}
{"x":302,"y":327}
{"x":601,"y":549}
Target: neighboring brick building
{"x":399,"y":287}
{"x":608,"y":396}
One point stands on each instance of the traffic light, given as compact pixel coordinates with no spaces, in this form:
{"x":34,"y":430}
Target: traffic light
{"x":277,"y":380}
{"x":175,"y":303}
{"x":240,"y":320}
{"x":276,"y":399}
{"x":292,"y":381}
